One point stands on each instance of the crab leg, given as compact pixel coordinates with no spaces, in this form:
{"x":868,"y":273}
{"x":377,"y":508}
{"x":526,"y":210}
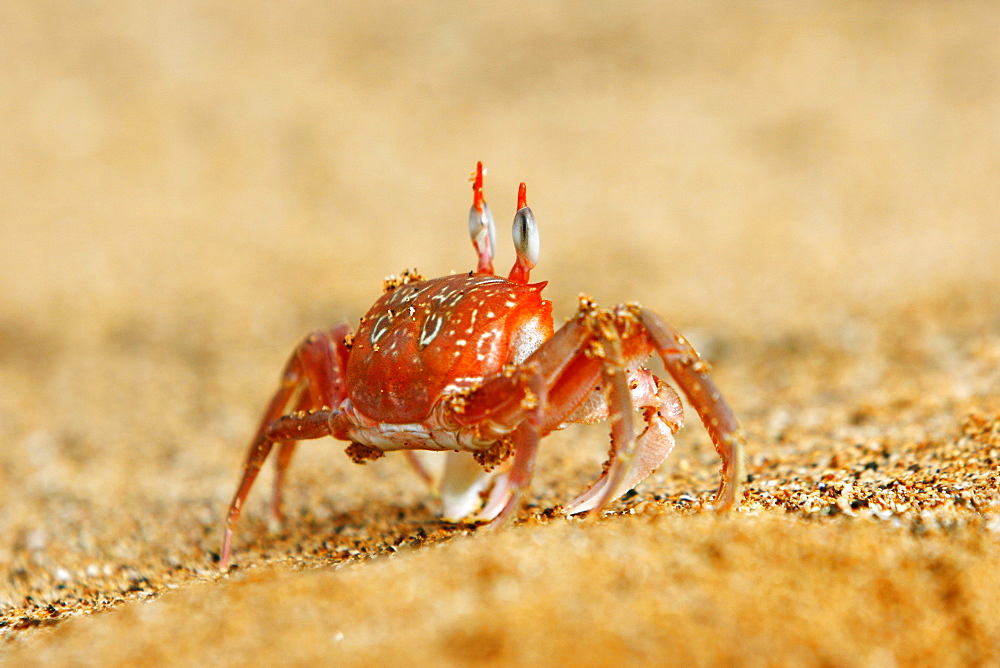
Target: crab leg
{"x":629,"y":464}
{"x":313,"y":379}
{"x":663,"y":416}
{"x":691,"y":374}
{"x":619,"y":414}
{"x":512,"y":484}
{"x":596,"y":346}
{"x":418,"y":466}
{"x":549,"y":386}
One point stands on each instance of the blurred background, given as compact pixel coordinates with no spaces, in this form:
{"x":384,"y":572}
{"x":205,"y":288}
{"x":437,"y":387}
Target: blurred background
{"x":733,"y":159}
{"x":187,"y":188}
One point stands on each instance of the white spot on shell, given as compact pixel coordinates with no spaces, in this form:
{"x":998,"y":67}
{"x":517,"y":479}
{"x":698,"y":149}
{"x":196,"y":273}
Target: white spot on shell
{"x":381,"y":326}
{"x":430,"y":330}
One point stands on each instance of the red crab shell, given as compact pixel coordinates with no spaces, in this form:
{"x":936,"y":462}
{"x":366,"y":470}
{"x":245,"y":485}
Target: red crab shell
{"x":425,"y":338}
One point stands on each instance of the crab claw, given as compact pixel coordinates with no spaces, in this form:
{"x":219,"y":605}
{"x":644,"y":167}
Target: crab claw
{"x":652,"y":447}
{"x":499,"y":496}
{"x":461,"y":485}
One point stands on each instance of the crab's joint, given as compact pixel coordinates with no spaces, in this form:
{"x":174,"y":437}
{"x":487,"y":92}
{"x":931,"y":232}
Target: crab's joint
{"x":458,"y":401}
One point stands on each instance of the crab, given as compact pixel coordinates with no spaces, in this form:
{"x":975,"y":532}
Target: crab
{"x":471,"y":364}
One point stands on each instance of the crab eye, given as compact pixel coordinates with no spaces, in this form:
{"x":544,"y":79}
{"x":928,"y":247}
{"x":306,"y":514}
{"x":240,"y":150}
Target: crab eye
{"x":480,"y":223}
{"x":526,"y":240}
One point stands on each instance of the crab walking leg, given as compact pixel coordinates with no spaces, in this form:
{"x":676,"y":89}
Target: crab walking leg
{"x":518,"y":479}
{"x":691,"y":374}
{"x":663,"y":415}
{"x":314,"y":379}
{"x":321,"y":361}
{"x":314,"y":424}
{"x":418,"y":466}
{"x":619,"y":414}
{"x":568,"y":371}
{"x":459,"y":484}
{"x":526,"y":437}
{"x":285,"y":451}
{"x":510,"y":408}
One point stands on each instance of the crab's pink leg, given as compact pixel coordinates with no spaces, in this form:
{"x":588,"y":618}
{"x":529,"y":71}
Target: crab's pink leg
{"x":568,"y":371}
{"x":498,"y":498}
{"x":323,"y":356}
{"x":571,"y":367}
{"x":459,"y":483}
{"x":314,"y":379}
{"x":285,"y":451}
{"x":413,"y":459}
{"x":516,"y":481}
{"x":691,"y":374}
{"x":528,"y":404}
{"x":621,"y":468}
{"x":663,"y":415}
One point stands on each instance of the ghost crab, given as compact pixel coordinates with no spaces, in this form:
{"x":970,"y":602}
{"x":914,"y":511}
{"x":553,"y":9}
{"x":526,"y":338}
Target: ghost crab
{"x":469,"y":363}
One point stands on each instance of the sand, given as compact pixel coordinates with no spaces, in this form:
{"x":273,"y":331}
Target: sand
{"x":807,"y":191}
